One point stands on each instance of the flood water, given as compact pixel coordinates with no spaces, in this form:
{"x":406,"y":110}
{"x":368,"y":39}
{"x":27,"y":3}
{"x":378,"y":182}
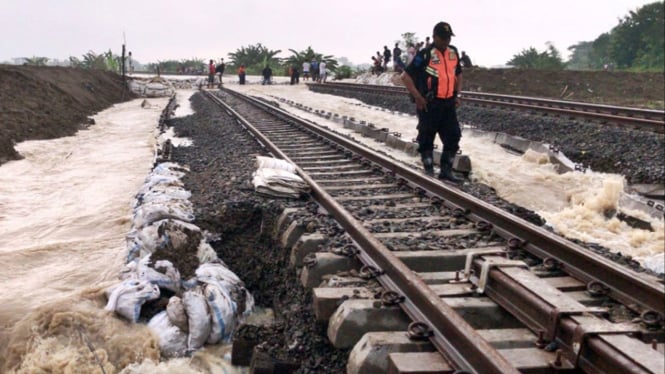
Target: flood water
{"x":65,"y":210}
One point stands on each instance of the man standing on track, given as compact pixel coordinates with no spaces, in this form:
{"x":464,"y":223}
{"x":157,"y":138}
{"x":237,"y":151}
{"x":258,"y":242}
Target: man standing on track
{"x":434,"y":80}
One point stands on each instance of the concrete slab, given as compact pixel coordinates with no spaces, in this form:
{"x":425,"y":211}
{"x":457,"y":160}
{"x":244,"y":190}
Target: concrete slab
{"x":283,"y":222}
{"x":306,"y":244}
{"x":509,"y":338}
{"x":418,"y":363}
{"x":326,"y":263}
{"x":529,"y":360}
{"x":325,"y":300}
{"x":355,"y":318}
{"x":292,"y":234}
{"x":437,"y":260}
{"x":370,"y":354}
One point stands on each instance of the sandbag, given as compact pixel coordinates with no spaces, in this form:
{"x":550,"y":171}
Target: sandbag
{"x":222,"y":313}
{"x":127,"y":298}
{"x":206,"y":253}
{"x":162,"y":273}
{"x":175,"y":310}
{"x":172,"y":340}
{"x":198,"y":318}
{"x":146,"y":214}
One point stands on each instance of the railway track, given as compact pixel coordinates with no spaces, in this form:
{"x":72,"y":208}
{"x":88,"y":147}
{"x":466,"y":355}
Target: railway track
{"x":643,"y":119}
{"x":474,"y":288}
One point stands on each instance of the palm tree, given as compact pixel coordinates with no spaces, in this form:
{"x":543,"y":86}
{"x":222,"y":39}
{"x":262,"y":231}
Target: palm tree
{"x":254,"y":57}
{"x":298,"y":57}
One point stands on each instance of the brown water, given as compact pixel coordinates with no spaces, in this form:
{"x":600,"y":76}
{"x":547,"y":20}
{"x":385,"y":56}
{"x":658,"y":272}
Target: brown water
{"x":64,"y":212}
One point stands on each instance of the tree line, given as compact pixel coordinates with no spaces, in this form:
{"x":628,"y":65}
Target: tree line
{"x":635,"y":44}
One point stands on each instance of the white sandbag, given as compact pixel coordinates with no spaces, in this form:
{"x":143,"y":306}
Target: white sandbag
{"x":149,"y":213}
{"x":274,"y":163}
{"x":170,"y":168}
{"x":162,"y":273}
{"x":127,"y":298}
{"x":144,"y":241}
{"x":162,"y":193}
{"x":222,"y":313}
{"x":206,"y":253}
{"x":157,"y":179}
{"x":172,"y":340}
{"x":198,"y":318}
{"x":175,"y":310}
{"x":216,"y":272}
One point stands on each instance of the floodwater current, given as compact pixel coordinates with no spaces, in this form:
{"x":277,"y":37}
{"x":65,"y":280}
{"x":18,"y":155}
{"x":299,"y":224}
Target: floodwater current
{"x":66,"y":207}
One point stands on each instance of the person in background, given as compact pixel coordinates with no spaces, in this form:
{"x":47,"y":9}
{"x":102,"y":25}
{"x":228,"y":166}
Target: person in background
{"x":398,"y":64}
{"x":241,"y":74}
{"x":305,"y":70}
{"x":267,"y":74}
{"x":314,"y":69}
{"x":434,"y":80}
{"x":386,"y":57}
{"x":410,"y":53}
{"x":211,"y":74}
{"x":294,"y":74}
{"x":466,"y":60}
{"x":220,"y":70}
{"x":427,"y":43}
{"x":323,"y":73}
{"x":376,"y":66}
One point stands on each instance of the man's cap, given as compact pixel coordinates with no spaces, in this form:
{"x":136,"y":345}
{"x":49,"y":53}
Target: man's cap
{"x":443,"y":30}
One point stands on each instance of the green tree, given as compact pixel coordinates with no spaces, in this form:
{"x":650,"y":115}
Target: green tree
{"x":36,"y":61}
{"x":638,"y":40}
{"x":530,"y":58}
{"x":255,"y":58}
{"x":636,"y":43}
{"x":91,"y":60}
{"x":298,"y":57}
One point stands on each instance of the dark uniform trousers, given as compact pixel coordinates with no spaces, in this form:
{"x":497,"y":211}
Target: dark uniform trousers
{"x":440,"y":118}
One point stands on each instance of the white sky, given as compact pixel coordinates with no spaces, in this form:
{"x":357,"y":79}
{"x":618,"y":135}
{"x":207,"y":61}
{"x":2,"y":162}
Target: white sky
{"x":490,"y":31}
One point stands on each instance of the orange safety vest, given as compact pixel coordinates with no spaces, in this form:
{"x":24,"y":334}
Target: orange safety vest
{"x":441,"y":72}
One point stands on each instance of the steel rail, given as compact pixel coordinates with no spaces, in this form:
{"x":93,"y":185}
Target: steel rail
{"x":644,"y":119}
{"x":624,"y":285}
{"x":453,"y":336}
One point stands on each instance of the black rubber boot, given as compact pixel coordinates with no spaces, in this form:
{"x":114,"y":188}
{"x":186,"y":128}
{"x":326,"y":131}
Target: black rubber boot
{"x":428,"y":162}
{"x":446,"y":173}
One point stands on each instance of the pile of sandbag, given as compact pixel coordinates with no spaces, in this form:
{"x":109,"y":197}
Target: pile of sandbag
{"x":152,"y":87}
{"x":163,"y":249}
{"x":278,"y":178}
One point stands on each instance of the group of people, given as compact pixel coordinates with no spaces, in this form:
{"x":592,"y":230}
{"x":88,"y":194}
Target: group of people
{"x":315,"y":70}
{"x":381,"y":60}
{"x":214,"y":69}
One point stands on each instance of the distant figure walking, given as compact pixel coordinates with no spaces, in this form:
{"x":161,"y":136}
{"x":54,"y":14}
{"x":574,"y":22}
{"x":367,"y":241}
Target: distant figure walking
{"x":398,"y":64}
{"x":410,"y":53}
{"x":323,"y":73}
{"x":465,"y":60}
{"x":211,"y":74}
{"x":241,"y":74}
{"x":220,"y":69}
{"x":386,"y":57}
{"x":295,"y":75}
{"x":314,"y":68}
{"x":267,"y":74}
{"x":305,"y":70}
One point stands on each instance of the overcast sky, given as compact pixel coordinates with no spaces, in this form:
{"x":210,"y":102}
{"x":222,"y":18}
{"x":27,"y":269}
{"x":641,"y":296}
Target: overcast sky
{"x":490,"y":31}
